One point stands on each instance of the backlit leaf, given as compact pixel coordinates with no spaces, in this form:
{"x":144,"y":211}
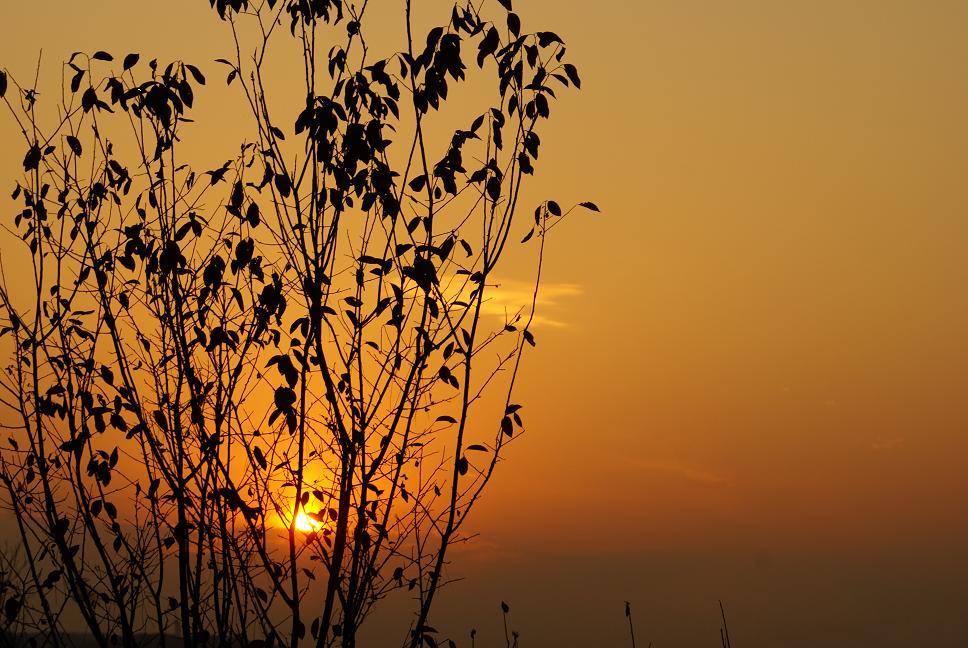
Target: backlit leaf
{"x":74,"y":144}
{"x":196,"y":74}
{"x":572,"y":73}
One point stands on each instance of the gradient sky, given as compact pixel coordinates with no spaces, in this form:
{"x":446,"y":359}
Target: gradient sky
{"x":752,"y":381}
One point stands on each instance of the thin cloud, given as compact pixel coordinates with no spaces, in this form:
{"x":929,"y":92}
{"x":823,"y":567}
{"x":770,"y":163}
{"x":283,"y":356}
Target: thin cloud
{"x":689,"y":472}
{"x":696,"y":474}
{"x":485,"y":550}
{"x":508,"y":297}
{"x":886,"y":445}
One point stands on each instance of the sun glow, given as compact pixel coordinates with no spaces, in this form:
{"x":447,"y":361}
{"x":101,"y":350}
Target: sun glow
{"x":307,"y":524}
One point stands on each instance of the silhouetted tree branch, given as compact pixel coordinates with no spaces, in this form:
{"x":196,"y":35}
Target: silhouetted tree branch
{"x":246,"y":404}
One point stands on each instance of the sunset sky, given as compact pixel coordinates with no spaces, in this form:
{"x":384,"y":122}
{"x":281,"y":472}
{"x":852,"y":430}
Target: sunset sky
{"x":751,"y":378}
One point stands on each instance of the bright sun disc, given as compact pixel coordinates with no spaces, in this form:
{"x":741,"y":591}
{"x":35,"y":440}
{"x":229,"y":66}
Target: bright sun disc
{"x":306,"y":523}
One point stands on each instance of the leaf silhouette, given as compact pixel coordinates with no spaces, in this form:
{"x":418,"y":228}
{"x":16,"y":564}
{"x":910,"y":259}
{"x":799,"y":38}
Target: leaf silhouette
{"x":32,"y":159}
{"x":74,"y":144}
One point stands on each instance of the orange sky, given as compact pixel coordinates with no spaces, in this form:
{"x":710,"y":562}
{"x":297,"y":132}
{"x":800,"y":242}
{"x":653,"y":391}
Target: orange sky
{"x":752,"y":384}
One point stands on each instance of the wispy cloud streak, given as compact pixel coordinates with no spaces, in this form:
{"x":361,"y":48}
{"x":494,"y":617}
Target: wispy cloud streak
{"x":509,"y":297}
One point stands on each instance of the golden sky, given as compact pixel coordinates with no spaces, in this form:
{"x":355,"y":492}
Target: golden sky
{"x":751,"y":382}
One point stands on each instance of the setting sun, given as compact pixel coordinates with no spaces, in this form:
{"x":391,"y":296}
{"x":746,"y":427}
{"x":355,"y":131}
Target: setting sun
{"x":306,"y":523}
